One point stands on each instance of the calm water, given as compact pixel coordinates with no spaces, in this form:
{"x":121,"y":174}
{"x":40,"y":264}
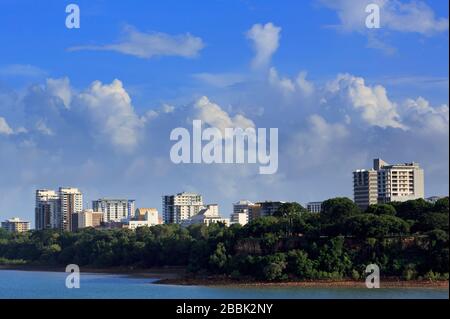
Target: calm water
{"x":35,"y":284}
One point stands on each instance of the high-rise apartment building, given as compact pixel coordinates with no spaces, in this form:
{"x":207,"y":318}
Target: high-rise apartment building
{"x":252,"y":210}
{"x":16,"y":225}
{"x":46,"y":209}
{"x":388,"y":183}
{"x":54,"y":210}
{"x":365,"y":187}
{"x":239,"y":217}
{"x":268,"y":208}
{"x":242,"y":205}
{"x":70,"y":202}
{"x":182,"y":206}
{"x":399,"y":182}
{"x":115,"y":210}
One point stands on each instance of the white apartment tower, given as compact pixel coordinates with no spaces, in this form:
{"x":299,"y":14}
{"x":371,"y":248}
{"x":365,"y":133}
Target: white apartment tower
{"x":239,"y":217}
{"x":388,"y":183}
{"x":115,"y":210}
{"x":399,"y":182}
{"x":182,"y":206}
{"x":70,"y":202}
{"x":54,"y":210}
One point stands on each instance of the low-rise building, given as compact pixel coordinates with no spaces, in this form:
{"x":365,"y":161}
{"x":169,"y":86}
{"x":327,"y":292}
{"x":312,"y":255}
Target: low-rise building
{"x":133,"y":224}
{"x":16,"y":225}
{"x":433,"y":199}
{"x":86,"y":218}
{"x":143,"y":217}
{"x":208,"y":215}
{"x":112,"y":225}
{"x":148,"y":214}
{"x":314,"y":207}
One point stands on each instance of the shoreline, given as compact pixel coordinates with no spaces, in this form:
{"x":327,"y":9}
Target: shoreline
{"x":344,"y":283}
{"x":177,"y":276}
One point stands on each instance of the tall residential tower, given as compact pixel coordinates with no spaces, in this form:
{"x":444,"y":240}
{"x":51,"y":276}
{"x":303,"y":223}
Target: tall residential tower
{"x":182,"y":206}
{"x":388,"y":183}
{"x":46,"y":209}
{"x":70,"y":202}
{"x":115,"y":210}
{"x":54,"y":210}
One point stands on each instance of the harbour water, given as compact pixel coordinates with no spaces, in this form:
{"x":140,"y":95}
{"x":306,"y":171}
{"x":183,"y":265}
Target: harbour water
{"x":38,"y":284}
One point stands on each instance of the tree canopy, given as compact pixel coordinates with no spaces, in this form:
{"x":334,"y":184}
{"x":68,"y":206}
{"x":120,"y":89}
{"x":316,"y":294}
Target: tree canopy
{"x":291,"y":245}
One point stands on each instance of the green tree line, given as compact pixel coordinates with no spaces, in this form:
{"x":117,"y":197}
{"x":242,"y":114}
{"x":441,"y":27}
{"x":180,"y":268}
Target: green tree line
{"x":407,"y":240}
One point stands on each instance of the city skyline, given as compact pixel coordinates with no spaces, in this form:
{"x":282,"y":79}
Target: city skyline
{"x":94,"y":107}
{"x":380,"y":184}
{"x":45,"y":195}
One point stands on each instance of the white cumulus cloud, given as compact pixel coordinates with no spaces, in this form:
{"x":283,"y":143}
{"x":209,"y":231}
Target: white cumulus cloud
{"x":213,"y":115}
{"x":371,"y":102}
{"x":429,"y":120}
{"x":265,"y":40}
{"x":111,"y":112}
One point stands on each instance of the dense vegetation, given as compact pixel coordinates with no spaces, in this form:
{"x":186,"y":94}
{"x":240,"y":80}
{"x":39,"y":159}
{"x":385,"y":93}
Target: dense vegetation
{"x":407,"y":240}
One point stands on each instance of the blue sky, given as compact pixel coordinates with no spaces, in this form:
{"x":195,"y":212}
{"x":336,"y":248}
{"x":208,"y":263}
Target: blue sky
{"x":339,"y":93}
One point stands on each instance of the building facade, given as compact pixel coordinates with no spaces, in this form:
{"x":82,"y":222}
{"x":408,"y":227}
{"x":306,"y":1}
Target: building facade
{"x":240,"y":217}
{"x":208,"y":215}
{"x":180,"y":207}
{"x":148,"y":214}
{"x":143,"y":217}
{"x":16,"y":225}
{"x":114,"y":210}
{"x":242,"y":205}
{"x":268,"y":208}
{"x":70,"y":202}
{"x":386,"y":183}
{"x":365,"y":187}
{"x":86,"y":218}
{"x":46,"y":209}
{"x":251,"y":209}
{"x":314,"y":207}
{"x":54,"y":210}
